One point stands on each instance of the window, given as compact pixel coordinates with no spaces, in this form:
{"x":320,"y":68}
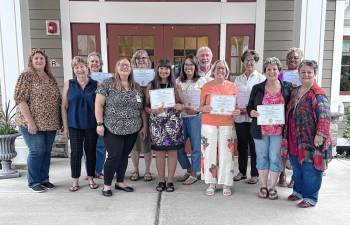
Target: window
{"x":345,"y":67}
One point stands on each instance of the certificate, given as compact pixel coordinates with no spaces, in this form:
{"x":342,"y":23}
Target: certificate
{"x":222,"y":104}
{"x":99,"y":76}
{"x":291,"y":76}
{"x":270,"y":114}
{"x":162,"y":97}
{"x":143,"y":76}
{"x":243,"y":99}
{"x":192,"y":98}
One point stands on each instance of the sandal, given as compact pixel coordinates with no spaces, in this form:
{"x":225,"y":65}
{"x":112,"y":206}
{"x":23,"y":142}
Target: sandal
{"x":147,"y":177}
{"x":184,"y":177}
{"x":210,"y":190}
{"x":93,"y":185}
{"x":161,"y":186}
{"x":190,"y":180}
{"x":282,"y":180}
{"x":100,"y":176}
{"x":273,"y":194}
{"x":226,"y":191}
{"x":253,"y":180}
{"x":134,"y":176}
{"x":74,"y":187}
{"x":239,"y":177}
{"x":170,"y":187}
{"x":263,"y":192}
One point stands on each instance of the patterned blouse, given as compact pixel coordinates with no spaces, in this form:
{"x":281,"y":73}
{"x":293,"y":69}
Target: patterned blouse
{"x":270,"y":99}
{"x":122,"y":110}
{"x":43,"y":98}
{"x":310,"y":116}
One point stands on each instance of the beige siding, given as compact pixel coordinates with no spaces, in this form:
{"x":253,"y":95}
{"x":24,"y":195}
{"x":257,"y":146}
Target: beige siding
{"x":278,"y":28}
{"x":328,"y":47}
{"x":39,"y":12}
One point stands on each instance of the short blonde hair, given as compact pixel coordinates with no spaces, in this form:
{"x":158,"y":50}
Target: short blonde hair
{"x":216,"y":64}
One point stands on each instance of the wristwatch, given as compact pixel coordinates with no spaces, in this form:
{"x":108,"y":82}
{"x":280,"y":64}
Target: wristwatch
{"x":100,"y":124}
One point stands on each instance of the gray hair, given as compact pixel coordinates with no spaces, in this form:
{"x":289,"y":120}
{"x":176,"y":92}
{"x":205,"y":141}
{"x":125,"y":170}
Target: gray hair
{"x":137,"y":54}
{"x":204,"y":48}
{"x":272,"y":61}
{"x":215,"y":65}
{"x":293,"y":50}
{"x":95,"y":54}
{"x":250,"y":52}
{"x":311,"y":63}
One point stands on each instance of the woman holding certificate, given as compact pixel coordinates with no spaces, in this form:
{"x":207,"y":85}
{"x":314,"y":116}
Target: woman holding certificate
{"x":308,"y":134}
{"x":191,"y":83}
{"x":120,"y":116}
{"x":141,"y":60}
{"x":266,"y":107}
{"x":165,"y":123}
{"x":218,"y":133}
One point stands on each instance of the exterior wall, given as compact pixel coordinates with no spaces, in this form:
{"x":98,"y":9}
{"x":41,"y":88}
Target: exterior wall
{"x":328,"y":47}
{"x":39,"y":11}
{"x":279,"y":32}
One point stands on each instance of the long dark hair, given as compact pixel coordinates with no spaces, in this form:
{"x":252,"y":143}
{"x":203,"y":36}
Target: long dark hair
{"x":171,"y":79}
{"x":183,"y":75}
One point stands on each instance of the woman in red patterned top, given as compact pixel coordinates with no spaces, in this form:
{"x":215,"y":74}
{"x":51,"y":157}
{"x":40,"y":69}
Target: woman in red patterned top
{"x":268,"y":138}
{"x":308,"y":134}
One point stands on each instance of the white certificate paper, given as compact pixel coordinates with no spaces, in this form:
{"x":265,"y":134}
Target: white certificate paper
{"x":222,"y":104}
{"x":143,"y":76}
{"x":192,"y":98}
{"x":270,"y":114}
{"x":99,"y":76}
{"x":162,"y":97}
{"x":243,"y":99}
{"x":291,"y":76}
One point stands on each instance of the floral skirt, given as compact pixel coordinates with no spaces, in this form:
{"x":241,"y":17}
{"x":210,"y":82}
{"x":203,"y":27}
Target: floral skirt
{"x":166,"y":131}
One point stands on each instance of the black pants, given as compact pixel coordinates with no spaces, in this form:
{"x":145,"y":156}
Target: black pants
{"x":244,"y":139}
{"x":118,"y":148}
{"x":82,"y":140}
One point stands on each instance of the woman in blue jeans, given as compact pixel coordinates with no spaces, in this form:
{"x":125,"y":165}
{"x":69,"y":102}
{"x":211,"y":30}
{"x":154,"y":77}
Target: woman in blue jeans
{"x":38,"y":101}
{"x":190,"y":83}
{"x":267,"y":138}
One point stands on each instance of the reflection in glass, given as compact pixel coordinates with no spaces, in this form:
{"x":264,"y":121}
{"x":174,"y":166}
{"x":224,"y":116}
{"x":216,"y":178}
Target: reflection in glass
{"x":345,"y":67}
{"x":238,"y":45}
{"x":86,"y":44}
{"x":127,"y":45}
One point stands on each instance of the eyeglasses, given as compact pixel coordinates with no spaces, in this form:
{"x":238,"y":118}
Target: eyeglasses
{"x":124,"y":65}
{"x":143,"y":58}
{"x":249,"y":61}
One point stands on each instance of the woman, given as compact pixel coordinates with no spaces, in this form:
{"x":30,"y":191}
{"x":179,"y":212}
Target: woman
{"x":293,"y":59}
{"x":140,"y":60}
{"x":79,"y":123}
{"x":188,"y":81}
{"x":244,"y":84}
{"x":119,"y":116}
{"x":308,"y":134}
{"x":37,"y":95}
{"x":95,"y":66}
{"x":165,"y":126}
{"x":267,"y":138}
{"x":218,"y":133}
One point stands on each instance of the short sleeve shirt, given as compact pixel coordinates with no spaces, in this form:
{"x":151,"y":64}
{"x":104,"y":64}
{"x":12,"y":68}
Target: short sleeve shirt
{"x":122,"y":109}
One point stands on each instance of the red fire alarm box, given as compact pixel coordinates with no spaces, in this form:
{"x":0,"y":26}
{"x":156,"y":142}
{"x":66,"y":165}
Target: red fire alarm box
{"x":52,"y":27}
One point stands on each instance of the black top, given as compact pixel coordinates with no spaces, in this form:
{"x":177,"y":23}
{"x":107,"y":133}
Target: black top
{"x":256,"y":98}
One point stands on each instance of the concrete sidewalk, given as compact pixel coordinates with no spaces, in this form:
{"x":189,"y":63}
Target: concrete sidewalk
{"x":187,"y":205}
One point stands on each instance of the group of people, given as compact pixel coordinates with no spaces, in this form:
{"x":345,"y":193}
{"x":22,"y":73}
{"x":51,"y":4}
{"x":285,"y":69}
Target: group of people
{"x":115,"y":116}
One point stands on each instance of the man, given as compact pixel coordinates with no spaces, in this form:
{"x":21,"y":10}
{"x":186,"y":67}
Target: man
{"x":204,"y":56}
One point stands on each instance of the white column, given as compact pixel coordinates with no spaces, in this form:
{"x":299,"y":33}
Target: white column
{"x":260,"y":32}
{"x":66,"y":39}
{"x":14,"y":44}
{"x":312,"y":29}
{"x":223,"y":41}
{"x":104,"y":46}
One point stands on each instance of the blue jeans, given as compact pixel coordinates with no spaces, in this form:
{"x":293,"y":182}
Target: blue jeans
{"x":100,"y":155}
{"x":268,"y":153}
{"x":192,"y":130}
{"x":40,"y":146}
{"x":307,"y":180}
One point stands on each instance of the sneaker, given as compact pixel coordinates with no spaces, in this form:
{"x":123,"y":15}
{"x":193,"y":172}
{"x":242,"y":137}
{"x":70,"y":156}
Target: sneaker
{"x":48,"y":185}
{"x":38,"y":188}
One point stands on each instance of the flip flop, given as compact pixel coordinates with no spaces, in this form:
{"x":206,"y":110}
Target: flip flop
{"x":252,"y":180}
{"x":273,"y":195}
{"x":190,"y":180}
{"x":263,"y":192}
